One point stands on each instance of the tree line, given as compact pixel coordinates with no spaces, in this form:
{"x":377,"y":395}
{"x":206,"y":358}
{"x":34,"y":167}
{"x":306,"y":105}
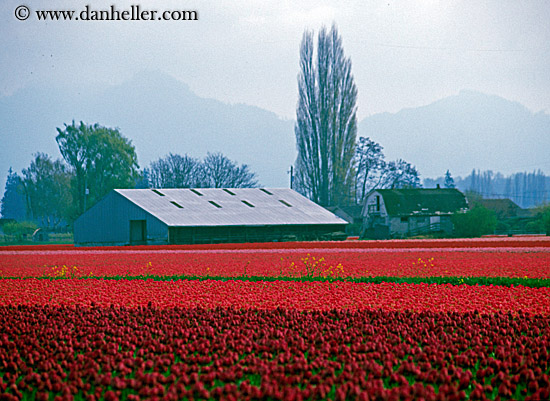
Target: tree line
{"x":96,"y":160}
{"x":526,"y":189}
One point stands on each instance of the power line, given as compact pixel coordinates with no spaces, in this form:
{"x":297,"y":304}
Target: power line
{"x":451,"y":48}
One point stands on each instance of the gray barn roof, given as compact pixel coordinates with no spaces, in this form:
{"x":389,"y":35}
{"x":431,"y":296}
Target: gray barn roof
{"x":229,"y":207}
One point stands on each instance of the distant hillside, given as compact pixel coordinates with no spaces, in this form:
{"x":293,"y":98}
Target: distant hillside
{"x":159,"y":114}
{"x":463,"y":132}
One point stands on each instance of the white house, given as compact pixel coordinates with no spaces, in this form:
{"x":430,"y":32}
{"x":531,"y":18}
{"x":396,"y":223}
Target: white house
{"x":391,"y":213}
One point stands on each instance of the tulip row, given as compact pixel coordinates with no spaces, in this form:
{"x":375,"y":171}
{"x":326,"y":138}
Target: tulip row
{"x":301,"y":295}
{"x":478,"y":262}
{"x":491,"y":242}
{"x":173,"y":354}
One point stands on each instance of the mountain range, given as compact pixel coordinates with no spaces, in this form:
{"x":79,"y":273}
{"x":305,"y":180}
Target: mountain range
{"x":470,"y":130}
{"x":161,"y":114}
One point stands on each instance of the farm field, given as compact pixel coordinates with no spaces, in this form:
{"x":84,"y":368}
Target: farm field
{"x":431,"y":319}
{"x":491,"y":257}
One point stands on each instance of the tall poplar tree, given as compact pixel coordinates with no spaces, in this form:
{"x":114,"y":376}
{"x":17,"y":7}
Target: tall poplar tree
{"x":326,"y":122}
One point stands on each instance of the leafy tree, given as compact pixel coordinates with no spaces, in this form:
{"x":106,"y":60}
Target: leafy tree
{"x":449,"y":181}
{"x":175,"y":171}
{"x":102,"y":159}
{"x":217,"y":171}
{"x":546,"y":220}
{"x":542,"y":218}
{"x":475,"y":222}
{"x":13,"y":201}
{"x":46,"y":185}
{"x":326,"y":123}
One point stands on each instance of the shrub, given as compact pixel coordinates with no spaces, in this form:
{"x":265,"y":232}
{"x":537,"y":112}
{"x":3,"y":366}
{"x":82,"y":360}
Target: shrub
{"x":475,"y":222}
{"x":543,"y":216}
{"x":534,"y":227}
{"x":19,"y":230}
{"x":502,"y":227}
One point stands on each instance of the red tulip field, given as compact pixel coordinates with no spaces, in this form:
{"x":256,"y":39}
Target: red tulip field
{"x":357,"y":320}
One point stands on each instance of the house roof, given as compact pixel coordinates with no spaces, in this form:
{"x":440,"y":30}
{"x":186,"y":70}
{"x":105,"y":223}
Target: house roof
{"x":352,"y":210}
{"x":404,"y":202}
{"x":348,"y":212}
{"x":502,"y":207}
{"x":226,"y":207}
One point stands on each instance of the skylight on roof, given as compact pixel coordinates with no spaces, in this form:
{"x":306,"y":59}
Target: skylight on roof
{"x":247,"y":203}
{"x":228,"y":191}
{"x":176,"y":204}
{"x":157,"y":192}
{"x":285,"y":203}
{"x":195,"y":192}
{"x":215,"y":204}
{"x":265,"y":191}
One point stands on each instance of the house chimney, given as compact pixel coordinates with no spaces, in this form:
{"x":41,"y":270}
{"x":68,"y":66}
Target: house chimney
{"x":438,"y":187}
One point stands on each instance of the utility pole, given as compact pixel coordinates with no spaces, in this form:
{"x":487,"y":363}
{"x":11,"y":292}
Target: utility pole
{"x":86,"y":191}
{"x":291,"y":172}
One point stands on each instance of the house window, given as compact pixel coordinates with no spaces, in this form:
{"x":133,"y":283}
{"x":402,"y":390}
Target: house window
{"x":404,"y":219}
{"x":214,"y":204}
{"x":377,"y":203}
{"x":229,"y":192}
{"x":247,"y":203}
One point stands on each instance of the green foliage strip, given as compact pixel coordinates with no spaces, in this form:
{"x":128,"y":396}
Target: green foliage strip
{"x":496,"y":281}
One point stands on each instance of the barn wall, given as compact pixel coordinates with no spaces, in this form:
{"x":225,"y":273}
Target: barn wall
{"x":236,"y":234}
{"x":108,"y":223}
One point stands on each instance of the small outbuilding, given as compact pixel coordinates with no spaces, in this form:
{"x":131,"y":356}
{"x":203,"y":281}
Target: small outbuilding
{"x":352,"y":214}
{"x":198,"y":216}
{"x":395,"y":213}
{"x":504,"y":208}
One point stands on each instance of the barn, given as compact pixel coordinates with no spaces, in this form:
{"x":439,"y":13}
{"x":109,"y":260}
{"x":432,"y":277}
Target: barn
{"x":395,"y":213}
{"x":198,"y":216}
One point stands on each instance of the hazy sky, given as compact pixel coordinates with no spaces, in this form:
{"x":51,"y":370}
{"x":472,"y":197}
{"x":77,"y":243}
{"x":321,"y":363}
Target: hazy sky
{"x":404,"y":53}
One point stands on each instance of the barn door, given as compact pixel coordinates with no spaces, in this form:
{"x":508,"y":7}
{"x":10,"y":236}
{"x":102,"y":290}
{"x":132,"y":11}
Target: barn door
{"x":138,"y":231}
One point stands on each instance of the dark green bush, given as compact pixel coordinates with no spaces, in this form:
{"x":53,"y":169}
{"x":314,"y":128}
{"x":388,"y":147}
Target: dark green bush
{"x":19,"y":230}
{"x":475,"y":222}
